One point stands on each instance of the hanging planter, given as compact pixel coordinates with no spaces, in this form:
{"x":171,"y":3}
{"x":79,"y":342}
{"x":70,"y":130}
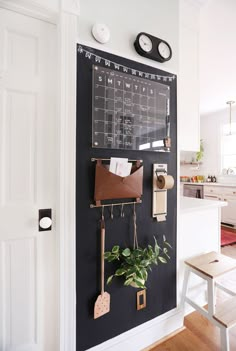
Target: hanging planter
{"x":134,"y":264}
{"x":200,"y":153}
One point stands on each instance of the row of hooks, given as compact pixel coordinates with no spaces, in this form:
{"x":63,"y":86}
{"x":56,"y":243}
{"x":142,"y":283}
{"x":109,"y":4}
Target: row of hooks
{"x":122,"y":213}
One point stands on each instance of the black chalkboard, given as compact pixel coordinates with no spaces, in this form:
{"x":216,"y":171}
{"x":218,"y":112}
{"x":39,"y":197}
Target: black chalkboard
{"x":161,"y":286}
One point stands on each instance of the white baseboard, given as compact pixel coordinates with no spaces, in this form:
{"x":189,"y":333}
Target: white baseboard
{"x":140,"y":337}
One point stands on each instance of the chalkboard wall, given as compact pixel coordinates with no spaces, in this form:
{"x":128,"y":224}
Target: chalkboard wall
{"x":161,"y":285}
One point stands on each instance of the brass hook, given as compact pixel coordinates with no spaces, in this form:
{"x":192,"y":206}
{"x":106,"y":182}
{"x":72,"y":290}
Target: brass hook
{"x":112,"y":211}
{"x":134,"y":213}
{"x":122,"y":211}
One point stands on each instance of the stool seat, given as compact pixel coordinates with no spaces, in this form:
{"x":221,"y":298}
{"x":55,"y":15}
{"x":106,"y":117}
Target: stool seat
{"x":226,"y":313}
{"x":210,"y":267}
{"x":212,"y":264}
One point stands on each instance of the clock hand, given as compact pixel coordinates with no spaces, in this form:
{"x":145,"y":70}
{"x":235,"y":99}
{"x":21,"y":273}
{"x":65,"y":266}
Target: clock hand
{"x":143,"y":41}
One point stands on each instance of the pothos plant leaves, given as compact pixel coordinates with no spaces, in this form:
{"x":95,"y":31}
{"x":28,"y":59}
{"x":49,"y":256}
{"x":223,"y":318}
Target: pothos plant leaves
{"x":134,"y":263}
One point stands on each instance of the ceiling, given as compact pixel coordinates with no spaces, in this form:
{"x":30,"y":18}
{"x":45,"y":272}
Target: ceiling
{"x":217,"y":55}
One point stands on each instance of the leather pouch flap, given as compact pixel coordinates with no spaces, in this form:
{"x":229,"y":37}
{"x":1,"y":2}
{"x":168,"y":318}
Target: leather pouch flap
{"x":111,"y":186}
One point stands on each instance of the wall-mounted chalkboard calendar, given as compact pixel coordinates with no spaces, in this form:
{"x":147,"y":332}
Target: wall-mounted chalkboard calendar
{"x":129,"y":112}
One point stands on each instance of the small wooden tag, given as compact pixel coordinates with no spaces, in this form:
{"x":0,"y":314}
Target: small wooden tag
{"x":141,"y":299}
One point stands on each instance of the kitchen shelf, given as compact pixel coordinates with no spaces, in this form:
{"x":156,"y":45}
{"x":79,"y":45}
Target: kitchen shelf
{"x":183,"y":163}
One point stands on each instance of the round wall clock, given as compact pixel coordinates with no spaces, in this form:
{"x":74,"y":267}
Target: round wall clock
{"x":152,"y":47}
{"x":145,"y":43}
{"x":164,"y":50}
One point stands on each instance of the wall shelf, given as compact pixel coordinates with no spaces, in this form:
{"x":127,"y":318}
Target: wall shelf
{"x":184,"y":163}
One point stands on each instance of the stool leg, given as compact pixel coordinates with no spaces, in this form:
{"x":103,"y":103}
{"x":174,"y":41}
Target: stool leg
{"x":224,"y":336}
{"x":211,"y":296}
{"x":185,"y":287}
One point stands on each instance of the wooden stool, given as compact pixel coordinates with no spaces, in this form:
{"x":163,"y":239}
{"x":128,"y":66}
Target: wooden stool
{"x":209,"y":267}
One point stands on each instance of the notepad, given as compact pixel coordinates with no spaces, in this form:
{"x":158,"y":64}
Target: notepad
{"x":120,"y":166}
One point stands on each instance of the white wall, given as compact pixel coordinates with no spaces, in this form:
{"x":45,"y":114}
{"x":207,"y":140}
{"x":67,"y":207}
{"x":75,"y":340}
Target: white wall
{"x":51,"y":4}
{"x":188,"y":80}
{"x":217,"y":54}
{"x":125,"y":20}
{"x":211,"y":131}
{"x":217,"y":76}
{"x":189,"y":169}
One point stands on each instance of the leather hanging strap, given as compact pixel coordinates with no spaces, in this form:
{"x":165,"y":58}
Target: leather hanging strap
{"x":135,"y":245}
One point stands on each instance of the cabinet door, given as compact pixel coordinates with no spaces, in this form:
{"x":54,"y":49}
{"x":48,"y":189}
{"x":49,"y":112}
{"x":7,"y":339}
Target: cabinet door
{"x":212,"y":197}
{"x":229,"y":191}
{"x":212,"y":190}
{"x":228,"y":213}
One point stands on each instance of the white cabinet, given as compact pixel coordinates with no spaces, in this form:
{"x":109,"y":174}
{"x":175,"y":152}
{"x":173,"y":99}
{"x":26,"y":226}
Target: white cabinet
{"x":212,"y":192}
{"x":188,"y":79}
{"x":228,"y":214}
{"x":223,"y":193}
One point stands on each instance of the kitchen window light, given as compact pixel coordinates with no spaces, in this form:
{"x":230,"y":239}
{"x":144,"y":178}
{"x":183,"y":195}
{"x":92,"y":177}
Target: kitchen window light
{"x":228,"y":147}
{"x":228,"y":144}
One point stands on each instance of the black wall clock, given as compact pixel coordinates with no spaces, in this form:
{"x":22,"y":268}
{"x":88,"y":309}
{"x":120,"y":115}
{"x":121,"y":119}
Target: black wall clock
{"x":153,"y":48}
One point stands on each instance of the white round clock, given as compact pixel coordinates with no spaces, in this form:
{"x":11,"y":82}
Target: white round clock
{"x":145,"y":43}
{"x":101,"y":33}
{"x":164,"y":50}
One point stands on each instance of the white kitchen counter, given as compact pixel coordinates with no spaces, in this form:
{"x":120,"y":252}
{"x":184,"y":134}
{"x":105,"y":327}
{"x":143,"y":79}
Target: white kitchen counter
{"x":188,"y":204}
{"x":198,"y":232}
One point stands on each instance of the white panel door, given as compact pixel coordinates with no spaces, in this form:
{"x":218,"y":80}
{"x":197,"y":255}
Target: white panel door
{"x":28,"y":180}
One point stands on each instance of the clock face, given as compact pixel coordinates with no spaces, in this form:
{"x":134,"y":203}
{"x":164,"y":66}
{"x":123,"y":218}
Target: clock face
{"x":164,"y":50}
{"x":145,"y":43}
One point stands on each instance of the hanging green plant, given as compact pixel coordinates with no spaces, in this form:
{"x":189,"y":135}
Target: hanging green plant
{"x":200,"y":153}
{"x":135,"y":263}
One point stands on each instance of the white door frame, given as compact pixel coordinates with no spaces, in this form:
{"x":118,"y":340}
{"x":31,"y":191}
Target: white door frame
{"x":68,"y":35}
{"x":66,"y":21}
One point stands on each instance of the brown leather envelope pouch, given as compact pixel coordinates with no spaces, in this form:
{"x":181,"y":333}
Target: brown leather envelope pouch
{"x":111,"y":186}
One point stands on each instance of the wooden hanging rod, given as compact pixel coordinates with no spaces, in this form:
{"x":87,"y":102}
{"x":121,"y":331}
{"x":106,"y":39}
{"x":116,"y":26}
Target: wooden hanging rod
{"x":108,"y":159}
{"x":118,"y":204}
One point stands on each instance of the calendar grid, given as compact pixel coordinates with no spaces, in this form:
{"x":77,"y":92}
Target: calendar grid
{"x":128,"y":112}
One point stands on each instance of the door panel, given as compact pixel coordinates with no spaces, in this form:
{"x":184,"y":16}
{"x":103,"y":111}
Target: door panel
{"x":28,"y":180}
{"x":21,"y":42}
{"x":20,"y":263}
{"x":19,"y":176}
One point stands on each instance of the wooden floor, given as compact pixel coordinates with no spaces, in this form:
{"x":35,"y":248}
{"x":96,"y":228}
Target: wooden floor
{"x":200,"y":334}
